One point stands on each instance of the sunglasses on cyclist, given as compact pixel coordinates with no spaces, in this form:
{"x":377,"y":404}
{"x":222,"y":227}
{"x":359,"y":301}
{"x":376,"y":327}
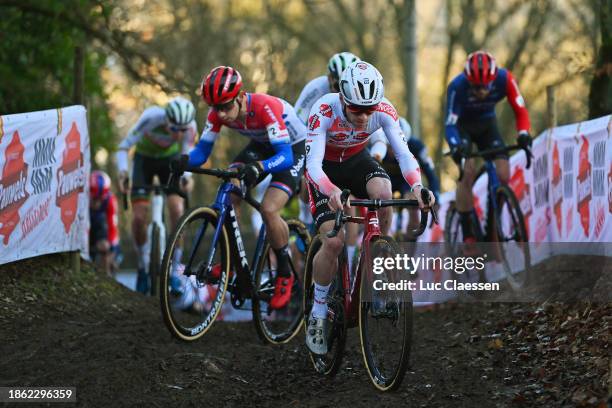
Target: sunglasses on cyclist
{"x":177,"y":128}
{"x":362,"y":109}
{"x":224,"y":107}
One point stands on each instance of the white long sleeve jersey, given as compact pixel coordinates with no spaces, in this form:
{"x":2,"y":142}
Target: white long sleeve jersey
{"x":332,"y":137}
{"x":313,"y":90}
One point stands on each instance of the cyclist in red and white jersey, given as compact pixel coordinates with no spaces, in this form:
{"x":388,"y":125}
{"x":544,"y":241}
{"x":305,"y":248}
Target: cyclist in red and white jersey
{"x":315,"y":89}
{"x":339,"y":128}
{"x":276,"y":147}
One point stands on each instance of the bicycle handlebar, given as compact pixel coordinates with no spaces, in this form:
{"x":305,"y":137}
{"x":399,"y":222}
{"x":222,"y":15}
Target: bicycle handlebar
{"x":222,"y":174}
{"x":377,"y":203}
{"x":490,"y":152}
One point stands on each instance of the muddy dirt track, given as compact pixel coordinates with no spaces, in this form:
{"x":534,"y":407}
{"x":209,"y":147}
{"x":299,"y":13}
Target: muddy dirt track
{"x":62,"y":329}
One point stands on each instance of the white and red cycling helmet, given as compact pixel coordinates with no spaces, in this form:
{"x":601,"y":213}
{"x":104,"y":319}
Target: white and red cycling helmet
{"x":362,"y":85}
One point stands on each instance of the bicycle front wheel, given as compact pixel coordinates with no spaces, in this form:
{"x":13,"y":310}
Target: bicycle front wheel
{"x":327,"y":364}
{"x":385,"y":320}
{"x":511,"y":238}
{"x":194,"y":275}
{"x":280,"y":326}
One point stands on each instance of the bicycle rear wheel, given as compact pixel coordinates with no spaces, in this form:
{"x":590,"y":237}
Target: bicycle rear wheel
{"x":385,"y":321}
{"x":193,"y":285}
{"x":327,"y":364}
{"x":511,"y":238}
{"x":154,"y":258}
{"x":280,"y":326}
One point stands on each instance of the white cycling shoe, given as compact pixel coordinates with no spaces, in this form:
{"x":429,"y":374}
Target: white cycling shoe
{"x":316,"y":335}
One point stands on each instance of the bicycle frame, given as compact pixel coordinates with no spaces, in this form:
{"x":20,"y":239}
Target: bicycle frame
{"x":372,"y":230}
{"x":157,"y":217}
{"x":353,"y":294}
{"x":493,"y":182}
{"x":241,"y":285}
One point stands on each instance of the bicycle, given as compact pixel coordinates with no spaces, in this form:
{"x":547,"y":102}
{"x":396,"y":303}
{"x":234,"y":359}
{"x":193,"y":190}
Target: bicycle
{"x":504,"y":223}
{"x":156,"y":234}
{"x":216,"y":245}
{"x":351,"y":303}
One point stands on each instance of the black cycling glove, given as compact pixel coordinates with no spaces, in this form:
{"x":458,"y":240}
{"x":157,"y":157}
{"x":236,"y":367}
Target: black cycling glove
{"x":179,"y":164}
{"x":524,"y":140}
{"x":459,"y":151}
{"x":251,"y":172}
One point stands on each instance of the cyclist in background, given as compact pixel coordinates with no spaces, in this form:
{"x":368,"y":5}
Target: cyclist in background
{"x":383,"y":153}
{"x":339,"y":127}
{"x":103,"y":230}
{"x":471,"y":99}
{"x":323,"y":84}
{"x":276,"y":147}
{"x":160,"y":135}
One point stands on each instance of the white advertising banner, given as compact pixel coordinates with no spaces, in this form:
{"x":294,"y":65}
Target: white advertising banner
{"x":45,"y":164}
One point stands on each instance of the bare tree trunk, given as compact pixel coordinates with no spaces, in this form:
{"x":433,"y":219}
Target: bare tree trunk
{"x":409,"y":60}
{"x":453,"y":37}
{"x":79,"y":75}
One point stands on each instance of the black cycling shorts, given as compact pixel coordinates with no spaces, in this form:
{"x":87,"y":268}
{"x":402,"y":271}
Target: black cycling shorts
{"x":353,"y":174}
{"x":286,"y":180}
{"x":398,"y":182}
{"x":144,"y":169}
{"x":484,"y":133}
{"x":98,"y":227}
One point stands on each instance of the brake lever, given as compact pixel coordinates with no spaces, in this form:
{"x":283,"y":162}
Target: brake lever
{"x":339,"y":214}
{"x":529,"y":156}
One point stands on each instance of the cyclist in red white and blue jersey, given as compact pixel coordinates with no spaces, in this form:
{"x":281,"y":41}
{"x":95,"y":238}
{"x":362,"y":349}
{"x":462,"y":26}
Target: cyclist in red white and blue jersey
{"x":104,"y":225}
{"x":276,"y":147}
{"x":470,"y":119}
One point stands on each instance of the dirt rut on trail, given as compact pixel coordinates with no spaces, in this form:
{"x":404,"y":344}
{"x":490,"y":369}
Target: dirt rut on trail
{"x":86,"y":331}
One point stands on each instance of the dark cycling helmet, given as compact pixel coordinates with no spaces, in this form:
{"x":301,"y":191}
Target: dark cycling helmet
{"x":480,"y":68}
{"x":221,"y":85}
{"x":99,"y":184}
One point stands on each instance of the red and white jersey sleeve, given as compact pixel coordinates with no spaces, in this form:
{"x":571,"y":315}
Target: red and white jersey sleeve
{"x":212,"y":127}
{"x":321,"y":119}
{"x":517,"y":102}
